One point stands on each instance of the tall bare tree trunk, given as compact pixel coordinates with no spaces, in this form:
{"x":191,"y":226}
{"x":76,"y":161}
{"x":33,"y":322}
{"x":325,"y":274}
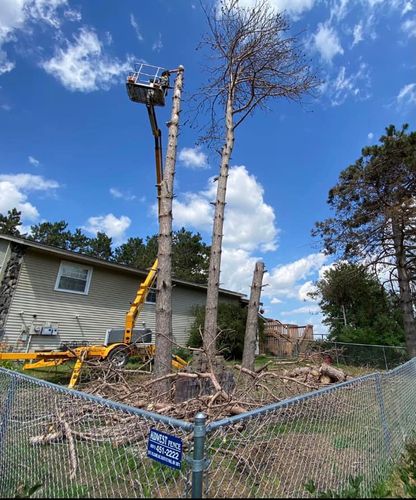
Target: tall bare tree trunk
{"x":249,"y":352}
{"x":253,"y":60}
{"x":405,"y":292}
{"x":163,"y":355}
{"x":211,"y":309}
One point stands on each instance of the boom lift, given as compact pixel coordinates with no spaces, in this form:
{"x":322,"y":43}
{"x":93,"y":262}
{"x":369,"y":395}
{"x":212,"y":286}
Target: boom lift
{"x":147,"y":85}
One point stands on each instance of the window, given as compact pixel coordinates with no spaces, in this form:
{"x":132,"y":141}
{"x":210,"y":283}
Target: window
{"x":73,"y":278}
{"x":151,"y":296}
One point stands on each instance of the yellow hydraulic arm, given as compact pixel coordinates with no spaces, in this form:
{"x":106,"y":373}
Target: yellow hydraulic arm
{"x":137,"y":305}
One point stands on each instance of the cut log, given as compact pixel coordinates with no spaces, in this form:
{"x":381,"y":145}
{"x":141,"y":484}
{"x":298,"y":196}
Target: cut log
{"x":303,"y":370}
{"x":325,"y":380}
{"x":335,"y":374}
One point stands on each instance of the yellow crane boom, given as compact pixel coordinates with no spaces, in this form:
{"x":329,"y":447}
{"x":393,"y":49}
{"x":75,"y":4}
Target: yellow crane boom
{"x":137,"y":305}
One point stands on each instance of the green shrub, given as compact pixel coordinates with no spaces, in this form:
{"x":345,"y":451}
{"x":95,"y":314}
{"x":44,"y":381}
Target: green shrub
{"x":232,"y":324}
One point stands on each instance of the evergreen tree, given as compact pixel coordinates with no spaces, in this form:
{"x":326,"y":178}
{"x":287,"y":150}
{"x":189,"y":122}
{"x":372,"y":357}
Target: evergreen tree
{"x":131,"y":253}
{"x":100,"y":246}
{"x":190,"y":259}
{"x":375,"y":214}
{"x":190,"y":255}
{"x":54,"y":234}
{"x":9,"y":224}
{"x":78,"y":242}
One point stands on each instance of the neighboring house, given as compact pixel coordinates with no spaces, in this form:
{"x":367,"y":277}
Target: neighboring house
{"x":50,"y":296}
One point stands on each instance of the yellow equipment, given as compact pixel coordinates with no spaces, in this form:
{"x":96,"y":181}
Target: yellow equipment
{"x":147,"y":85}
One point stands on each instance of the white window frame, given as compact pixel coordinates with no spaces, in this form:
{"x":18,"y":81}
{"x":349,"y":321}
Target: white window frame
{"x":149,"y":301}
{"x":75,"y":264}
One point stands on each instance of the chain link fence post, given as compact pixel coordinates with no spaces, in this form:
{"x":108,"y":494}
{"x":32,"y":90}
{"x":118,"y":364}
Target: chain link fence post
{"x":385,"y":358}
{"x":198,"y":459}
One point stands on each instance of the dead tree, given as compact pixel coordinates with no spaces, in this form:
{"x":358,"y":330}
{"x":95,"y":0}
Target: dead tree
{"x":254,"y":60}
{"x":249,"y":351}
{"x":163,"y":354}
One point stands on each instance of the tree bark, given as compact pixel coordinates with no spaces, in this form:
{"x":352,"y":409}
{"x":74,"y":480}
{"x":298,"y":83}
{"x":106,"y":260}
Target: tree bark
{"x":405,"y":293}
{"x":249,"y":352}
{"x":211,"y":310}
{"x":163,"y":340}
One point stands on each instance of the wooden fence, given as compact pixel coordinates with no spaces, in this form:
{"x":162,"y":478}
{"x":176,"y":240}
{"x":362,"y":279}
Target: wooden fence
{"x":285,"y":340}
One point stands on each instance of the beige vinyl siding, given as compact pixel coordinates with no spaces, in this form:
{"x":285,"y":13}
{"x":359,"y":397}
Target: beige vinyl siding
{"x":4,"y":254}
{"x":104,"y":307}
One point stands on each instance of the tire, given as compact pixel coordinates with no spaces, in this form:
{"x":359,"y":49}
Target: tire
{"x":119,"y":356}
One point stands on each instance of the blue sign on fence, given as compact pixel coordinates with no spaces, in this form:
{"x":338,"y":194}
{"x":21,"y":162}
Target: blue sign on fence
{"x":165,"y":448}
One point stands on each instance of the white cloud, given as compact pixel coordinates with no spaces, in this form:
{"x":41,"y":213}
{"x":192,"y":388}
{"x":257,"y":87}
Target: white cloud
{"x":193,"y":157}
{"x":11,"y":18}
{"x":11,"y":197}
{"x":292,"y":7}
{"x":45,"y":10}
{"x":275,"y":300}
{"x":30,"y":182}
{"x":326,"y":42}
{"x":339,"y":9}
{"x":33,"y":161}
{"x":237,"y":267}
{"x":14,"y":191}
{"x":285,"y":280}
{"x":135,"y":26}
{"x":407,"y":95}
{"x":249,"y":224}
{"x":370,"y":135}
{"x":409,"y":27}
{"x":82,"y":66}
{"x":116,"y":193}
{"x":408,"y":7}
{"x":73,"y":15}
{"x":113,"y":226}
{"x":356,"y":85}
{"x":5,"y":65}
{"x":17,"y":14}
{"x":158,"y":45}
{"x":249,"y":221}
{"x":310,"y":309}
{"x":304,"y":291}
{"x":194,"y":210}
{"x":357,"y":34}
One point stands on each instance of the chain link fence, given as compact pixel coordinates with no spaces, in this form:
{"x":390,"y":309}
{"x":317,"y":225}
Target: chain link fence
{"x":356,"y":428}
{"x":70,"y":444}
{"x":383,"y":357}
{"x":67,"y":444}
{"x":342,"y":353}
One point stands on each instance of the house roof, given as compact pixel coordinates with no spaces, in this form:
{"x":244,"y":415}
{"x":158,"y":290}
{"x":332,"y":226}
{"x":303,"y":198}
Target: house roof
{"x":79,"y":257}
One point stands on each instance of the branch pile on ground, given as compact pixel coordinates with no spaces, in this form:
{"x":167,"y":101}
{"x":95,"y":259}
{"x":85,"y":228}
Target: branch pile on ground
{"x":250,"y":389}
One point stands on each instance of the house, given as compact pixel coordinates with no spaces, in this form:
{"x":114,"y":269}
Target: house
{"x":50,"y":296}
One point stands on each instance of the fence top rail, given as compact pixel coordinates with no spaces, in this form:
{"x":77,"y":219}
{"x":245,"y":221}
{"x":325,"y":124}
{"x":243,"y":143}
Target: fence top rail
{"x":364,"y":345}
{"x":286,"y":402}
{"x":148,"y":415}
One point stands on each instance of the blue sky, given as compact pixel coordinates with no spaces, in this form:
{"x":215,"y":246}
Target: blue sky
{"x":73,"y":147}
